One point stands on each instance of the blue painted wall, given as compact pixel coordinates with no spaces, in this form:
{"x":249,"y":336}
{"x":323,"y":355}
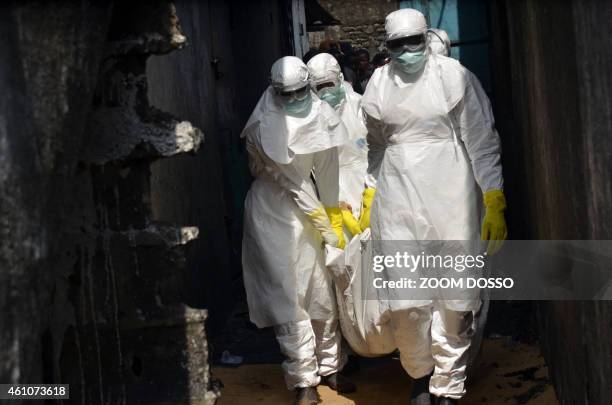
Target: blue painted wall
{"x":467,"y":24}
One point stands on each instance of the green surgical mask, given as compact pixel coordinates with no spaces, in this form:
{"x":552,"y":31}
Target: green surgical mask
{"x":298,"y":108}
{"x":333,"y":96}
{"x":410,"y":62}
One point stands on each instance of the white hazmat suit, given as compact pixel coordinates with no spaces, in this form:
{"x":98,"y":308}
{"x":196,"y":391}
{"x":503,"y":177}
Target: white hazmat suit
{"x":440,"y":44}
{"x":359,"y":318}
{"x":353,"y":155}
{"x":285,"y":278}
{"x":432,"y":149}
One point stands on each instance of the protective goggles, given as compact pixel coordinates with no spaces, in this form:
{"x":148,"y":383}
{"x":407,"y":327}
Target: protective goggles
{"x":414,"y":43}
{"x":299,"y":94}
{"x":328,"y":84}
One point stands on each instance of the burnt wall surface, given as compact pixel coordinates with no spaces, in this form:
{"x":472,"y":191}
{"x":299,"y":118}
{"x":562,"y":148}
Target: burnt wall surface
{"x":190,"y":189}
{"x":92,"y":285}
{"x":554,"y":115}
{"x":50,"y":55}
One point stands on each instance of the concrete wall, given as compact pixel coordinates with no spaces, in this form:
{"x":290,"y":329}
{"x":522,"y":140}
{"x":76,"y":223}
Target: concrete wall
{"x":363,"y":22}
{"x":552,"y":64}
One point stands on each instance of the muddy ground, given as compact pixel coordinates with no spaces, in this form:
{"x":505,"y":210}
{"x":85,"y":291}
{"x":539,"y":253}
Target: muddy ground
{"x":510,"y":368}
{"x":509,"y":375}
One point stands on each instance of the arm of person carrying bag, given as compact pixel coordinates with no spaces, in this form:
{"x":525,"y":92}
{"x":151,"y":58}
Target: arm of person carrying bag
{"x":376,"y":152}
{"x":370,"y":104}
{"x":301,"y":190}
{"x":477,"y":128}
{"x":326,"y":171}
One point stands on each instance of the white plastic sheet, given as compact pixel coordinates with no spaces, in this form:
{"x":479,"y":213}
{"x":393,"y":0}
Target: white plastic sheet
{"x":364,"y":323}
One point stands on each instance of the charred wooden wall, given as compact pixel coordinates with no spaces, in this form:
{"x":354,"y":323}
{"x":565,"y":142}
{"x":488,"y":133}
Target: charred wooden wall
{"x":92,"y":284}
{"x":552,"y":62}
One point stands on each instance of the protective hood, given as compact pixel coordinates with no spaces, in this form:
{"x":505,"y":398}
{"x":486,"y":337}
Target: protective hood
{"x":355,"y":149}
{"x":283,"y":136}
{"x":439,"y":42}
{"x":289,"y":73}
{"x":405,"y":23}
{"x":350,"y":113}
{"x":323,"y":67}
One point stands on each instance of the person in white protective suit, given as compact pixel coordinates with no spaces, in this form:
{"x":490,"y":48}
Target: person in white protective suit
{"x":440,"y":44}
{"x":327,"y":81}
{"x":433,"y":157}
{"x":290,"y":134}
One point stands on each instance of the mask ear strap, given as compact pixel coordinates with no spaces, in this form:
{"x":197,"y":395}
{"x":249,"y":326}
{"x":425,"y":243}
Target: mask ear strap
{"x":436,"y":34}
{"x":446,"y":45}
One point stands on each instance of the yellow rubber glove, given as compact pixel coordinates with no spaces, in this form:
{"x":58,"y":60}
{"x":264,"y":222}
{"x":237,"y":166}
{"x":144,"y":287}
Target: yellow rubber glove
{"x":494,"y":224}
{"x":335,"y":217}
{"x":366,"y":201}
{"x":321,"y":222}
{"x":351,"y":224}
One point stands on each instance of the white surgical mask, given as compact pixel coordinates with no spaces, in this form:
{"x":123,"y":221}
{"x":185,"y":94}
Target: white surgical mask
{"x":298,"y":108}
{"x":333,"y":95}
{"x":410,"y":62}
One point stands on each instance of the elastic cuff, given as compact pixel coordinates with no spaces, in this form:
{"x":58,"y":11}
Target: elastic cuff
{"x":494,"y":199}
{"x":313,"y":382}
{"x":449,"y":387}
{"x":369,"y":192}
{"x":420,"y":372}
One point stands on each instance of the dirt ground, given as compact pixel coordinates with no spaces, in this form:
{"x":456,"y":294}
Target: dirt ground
{"x":512,"y":373}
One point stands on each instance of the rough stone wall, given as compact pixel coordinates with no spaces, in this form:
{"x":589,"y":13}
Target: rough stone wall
{"x":92,"y":288}
{"x":363,"y":22}
{"x":556,"y":125}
